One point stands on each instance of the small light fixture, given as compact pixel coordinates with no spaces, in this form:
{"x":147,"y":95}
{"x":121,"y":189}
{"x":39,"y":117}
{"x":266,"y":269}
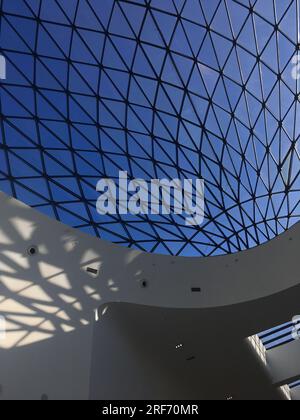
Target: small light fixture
{"x":92,"y":271}
{"x":144,"y":284}
{"x":32,"y":250}
{"x":179,"y":346}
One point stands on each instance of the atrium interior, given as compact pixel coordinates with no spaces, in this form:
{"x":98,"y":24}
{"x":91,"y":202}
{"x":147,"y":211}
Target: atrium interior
{"x":139,"y":299}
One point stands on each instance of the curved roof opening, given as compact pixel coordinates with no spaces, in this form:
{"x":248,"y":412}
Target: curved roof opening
{"x":178,"y":89}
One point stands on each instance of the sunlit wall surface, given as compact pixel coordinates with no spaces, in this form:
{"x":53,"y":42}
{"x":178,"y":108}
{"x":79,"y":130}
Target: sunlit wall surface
{"x":162,"y":89}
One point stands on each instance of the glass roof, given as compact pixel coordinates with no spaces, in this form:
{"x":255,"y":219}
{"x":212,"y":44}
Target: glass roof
{"x":161,"y":89}
{"x":278,"y":336}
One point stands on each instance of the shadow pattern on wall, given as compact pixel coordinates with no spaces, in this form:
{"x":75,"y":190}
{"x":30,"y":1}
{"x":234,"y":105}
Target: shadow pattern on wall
{"x":48,"y":282}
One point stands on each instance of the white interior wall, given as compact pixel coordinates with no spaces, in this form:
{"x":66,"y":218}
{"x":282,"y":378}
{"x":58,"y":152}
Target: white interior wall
{"x":49,"y":299}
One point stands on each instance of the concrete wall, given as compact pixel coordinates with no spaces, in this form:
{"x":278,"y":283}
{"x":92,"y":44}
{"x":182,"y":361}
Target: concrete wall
{"x":295,"y":394}
{"x":284,"y":363}
{"x":49,"y":299}
{"x":136,"y":356}
{"x":64,"y":255}
{"x":58,"y":368}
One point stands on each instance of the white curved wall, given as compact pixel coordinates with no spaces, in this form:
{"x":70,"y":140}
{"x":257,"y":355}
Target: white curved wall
{"x":49,"y":299}
{"x":64,"y":255}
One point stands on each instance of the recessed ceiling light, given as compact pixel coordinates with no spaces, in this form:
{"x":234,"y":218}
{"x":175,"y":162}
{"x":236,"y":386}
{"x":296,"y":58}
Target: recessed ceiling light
{"x":32,"y":250}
